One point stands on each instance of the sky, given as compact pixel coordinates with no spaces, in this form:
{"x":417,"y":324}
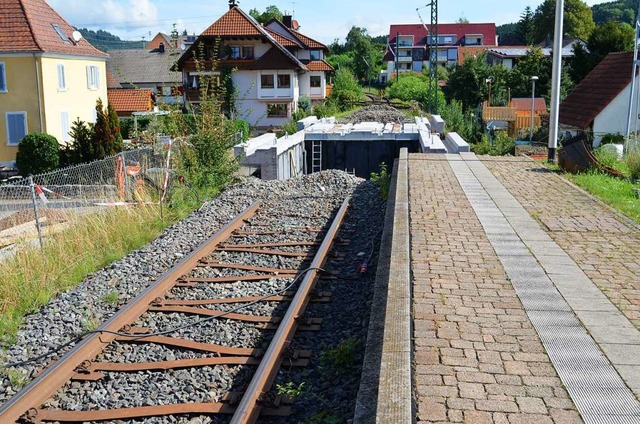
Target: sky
{"x":323,"y":20}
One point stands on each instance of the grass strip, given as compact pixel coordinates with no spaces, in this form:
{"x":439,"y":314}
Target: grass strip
{"x":31,"y":277}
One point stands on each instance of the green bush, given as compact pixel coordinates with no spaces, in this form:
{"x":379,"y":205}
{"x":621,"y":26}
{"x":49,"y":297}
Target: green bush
{"x":632,"y":161}
{"x":346,"y":90}
{"x":412,"y":86}
{"x":304,"y":103}
{"x":606,"y":157}
{"x":38,"y":153}
{"x":325,"y":110}
{"x":612,"y":139}
{"x":502,"y":145}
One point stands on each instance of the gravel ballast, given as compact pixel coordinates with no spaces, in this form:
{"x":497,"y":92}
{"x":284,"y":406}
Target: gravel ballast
{"x":344,"y":318}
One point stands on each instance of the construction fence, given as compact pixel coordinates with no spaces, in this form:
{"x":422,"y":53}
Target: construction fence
{"x":30,"y":204}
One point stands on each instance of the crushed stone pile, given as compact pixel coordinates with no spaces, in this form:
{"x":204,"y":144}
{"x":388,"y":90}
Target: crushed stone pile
{"x":377,"y":113}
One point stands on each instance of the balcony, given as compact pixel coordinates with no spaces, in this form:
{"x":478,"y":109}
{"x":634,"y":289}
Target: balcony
{"x":404,"y":59}
{"x":275,"y":93}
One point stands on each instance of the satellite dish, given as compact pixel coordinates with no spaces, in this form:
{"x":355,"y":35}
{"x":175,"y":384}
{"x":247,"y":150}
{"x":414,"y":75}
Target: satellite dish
{"x":76,"y":36}
{"x":183,"y":47}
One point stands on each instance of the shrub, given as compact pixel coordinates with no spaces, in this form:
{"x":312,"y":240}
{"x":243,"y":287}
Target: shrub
{"x":633,"y":163}
{"x":606,"y":157}
{"x":502,"y":145}
{"x":38,"y":153}
{"x":612,"y":139}
{"x":304,"y":103}
{"x":346,"y":90}
{"x":325,"y":110}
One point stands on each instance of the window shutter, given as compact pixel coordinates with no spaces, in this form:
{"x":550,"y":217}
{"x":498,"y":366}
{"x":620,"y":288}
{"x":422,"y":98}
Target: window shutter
{"x":17,"y":127}
{"x":62,"y":83}
{"x":97,"y":77}
{"x":64,"y":125}
{"x":89,"y":77}
{"x":3,"y":78}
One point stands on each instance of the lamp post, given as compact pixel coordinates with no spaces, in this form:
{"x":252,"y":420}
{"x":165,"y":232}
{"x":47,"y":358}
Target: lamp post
{"x":533,"y":97}
{"x":489,"y":81}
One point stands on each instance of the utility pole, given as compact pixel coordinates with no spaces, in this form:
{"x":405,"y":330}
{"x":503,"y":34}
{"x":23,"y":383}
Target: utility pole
{"x":555,"y":82}
{"x":432,"y":37}
{"x":634,"y":73}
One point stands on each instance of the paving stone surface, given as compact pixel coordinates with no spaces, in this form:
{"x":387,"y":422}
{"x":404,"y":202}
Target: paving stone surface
{"x":603,"y":245}
{"x":477,"y":357}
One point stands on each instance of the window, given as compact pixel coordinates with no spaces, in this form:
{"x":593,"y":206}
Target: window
{"x":278,"y":110}
{"x":247,"y":52}
{"x":64,"y":125}
{"x":3,"y":78}
{"x":62,"y":81}
{"x":60,"y":33}
{"x":266,"y":81}
{"x":315,"y":55}
{"x":284,"y":81}
{"x":93,"y":77}
{"x":473,"y":40}
{"x":16,"y":127}
{"x":315,"y":81}
{"x":234,"y":52}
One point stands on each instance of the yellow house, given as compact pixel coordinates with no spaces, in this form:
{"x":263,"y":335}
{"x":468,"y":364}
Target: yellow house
{"x":49,"y":75}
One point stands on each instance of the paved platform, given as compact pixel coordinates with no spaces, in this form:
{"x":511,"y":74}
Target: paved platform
{"x":525,"y":301}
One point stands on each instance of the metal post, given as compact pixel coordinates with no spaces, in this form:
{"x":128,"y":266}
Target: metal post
{"x":633,"y":80}
{"x":35,"y":210}
{"x":397,"y":65}
{"x":555,"y":82}
{"x":533,"y":97}
{"x":125,"y":183}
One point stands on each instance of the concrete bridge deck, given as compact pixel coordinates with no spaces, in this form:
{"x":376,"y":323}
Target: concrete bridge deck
{"x":505,"y":295}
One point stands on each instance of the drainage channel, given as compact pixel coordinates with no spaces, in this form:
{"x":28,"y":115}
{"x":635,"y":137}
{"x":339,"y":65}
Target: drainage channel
{"x":595,"y":387}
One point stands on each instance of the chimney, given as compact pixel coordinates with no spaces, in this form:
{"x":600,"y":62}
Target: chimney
{"x":287,"y":20}
{"x":161,"y":47}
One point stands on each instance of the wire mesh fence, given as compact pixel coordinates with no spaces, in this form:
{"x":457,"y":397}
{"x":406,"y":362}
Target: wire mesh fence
{"x":29,"y":204}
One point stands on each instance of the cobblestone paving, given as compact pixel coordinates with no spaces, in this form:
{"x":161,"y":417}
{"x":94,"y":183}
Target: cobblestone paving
{"x":477,"y":357}
{"x":605,"y":247}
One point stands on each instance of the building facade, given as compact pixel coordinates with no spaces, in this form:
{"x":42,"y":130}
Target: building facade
{"x":273,"y":66}
{"x":49,"y":75}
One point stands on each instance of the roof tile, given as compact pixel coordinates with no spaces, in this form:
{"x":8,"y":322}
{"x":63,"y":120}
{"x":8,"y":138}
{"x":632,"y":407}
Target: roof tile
{"x":319,"y":65}
{"x":234,"y":22}
{"x":524,"y":103}
{"x":130,"y":100}
{"x":597,"y":90}
{"x":28,"y":26}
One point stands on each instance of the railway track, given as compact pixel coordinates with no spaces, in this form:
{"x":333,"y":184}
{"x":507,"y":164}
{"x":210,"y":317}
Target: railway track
{"x":275,"y":259}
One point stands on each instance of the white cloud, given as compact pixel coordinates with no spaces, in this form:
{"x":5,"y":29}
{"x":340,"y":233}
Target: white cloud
{"x":122,"y":14}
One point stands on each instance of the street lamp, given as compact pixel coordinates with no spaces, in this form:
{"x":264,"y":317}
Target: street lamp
{"x":489,"y":81}
{"x":533,"y":96}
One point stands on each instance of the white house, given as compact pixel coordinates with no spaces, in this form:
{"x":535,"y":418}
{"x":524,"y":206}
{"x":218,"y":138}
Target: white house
{"x":274,"y":65}
{"x":599,"y":104}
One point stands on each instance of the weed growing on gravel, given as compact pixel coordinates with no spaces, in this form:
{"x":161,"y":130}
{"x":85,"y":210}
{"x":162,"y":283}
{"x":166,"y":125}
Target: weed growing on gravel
{"x":32,"y":276}
{"x":341,"y":357}
{"x":383,"y":180}
{"x":17,"y":378}
{"x":110,"y":298}
{"x":290,"y":389}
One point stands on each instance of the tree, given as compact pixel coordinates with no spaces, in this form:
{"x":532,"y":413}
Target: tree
{"x":80,"y":149}
{"x":367,"y":58}
{"x":462,"y":20}
{"x":467,"y":83}
{"x":617,"y":11}
{"x":578,"y":20}
{"x":114,"y":126}
{"x":526,"y":28}
{"x":102,"y":139}
{"x":37,"y":153}
{"x":608,"y":38}
{"x":270,"y":12}
{"x":534,"y":63}
{"x":346,"y":89}
{"x":413,"y":87}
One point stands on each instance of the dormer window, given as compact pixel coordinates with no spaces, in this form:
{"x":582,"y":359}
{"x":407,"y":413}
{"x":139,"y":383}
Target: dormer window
{"x":315,"y":55}
{"x":60,"y":33}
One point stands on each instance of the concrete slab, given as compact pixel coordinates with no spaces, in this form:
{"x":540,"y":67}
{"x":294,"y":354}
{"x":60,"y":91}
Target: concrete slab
{"x":601,"y":319}
{"x":622,"y":354}
{"x":615,"y":335}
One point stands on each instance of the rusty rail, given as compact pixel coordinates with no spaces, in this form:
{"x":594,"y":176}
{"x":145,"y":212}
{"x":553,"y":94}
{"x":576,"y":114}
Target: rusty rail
{"x":54,"y":377}
{"x":249,"y":408}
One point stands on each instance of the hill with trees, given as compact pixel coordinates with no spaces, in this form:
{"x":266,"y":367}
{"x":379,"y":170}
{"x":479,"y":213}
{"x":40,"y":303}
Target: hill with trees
{"x":106,"y":41}
{"x":618,"y":11}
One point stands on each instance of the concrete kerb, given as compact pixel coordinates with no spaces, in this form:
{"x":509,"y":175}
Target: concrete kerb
{"x":385,"y":394}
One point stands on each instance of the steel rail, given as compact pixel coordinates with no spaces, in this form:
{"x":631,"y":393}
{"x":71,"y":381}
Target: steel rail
{"x":55,"y":376}
{"x":249,"y":408}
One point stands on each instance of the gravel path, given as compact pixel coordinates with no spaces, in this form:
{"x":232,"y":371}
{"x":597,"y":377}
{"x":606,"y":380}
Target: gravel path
{"x":317,"y":196}
{"x":377,"y":113}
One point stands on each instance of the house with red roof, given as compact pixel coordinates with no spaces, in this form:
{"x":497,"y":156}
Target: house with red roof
{"x":49,"y":75}
{"x":600,"y":103}
{"x":273,"y":66}
{"x":408,"y":48}
{"x":126,"y":101}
